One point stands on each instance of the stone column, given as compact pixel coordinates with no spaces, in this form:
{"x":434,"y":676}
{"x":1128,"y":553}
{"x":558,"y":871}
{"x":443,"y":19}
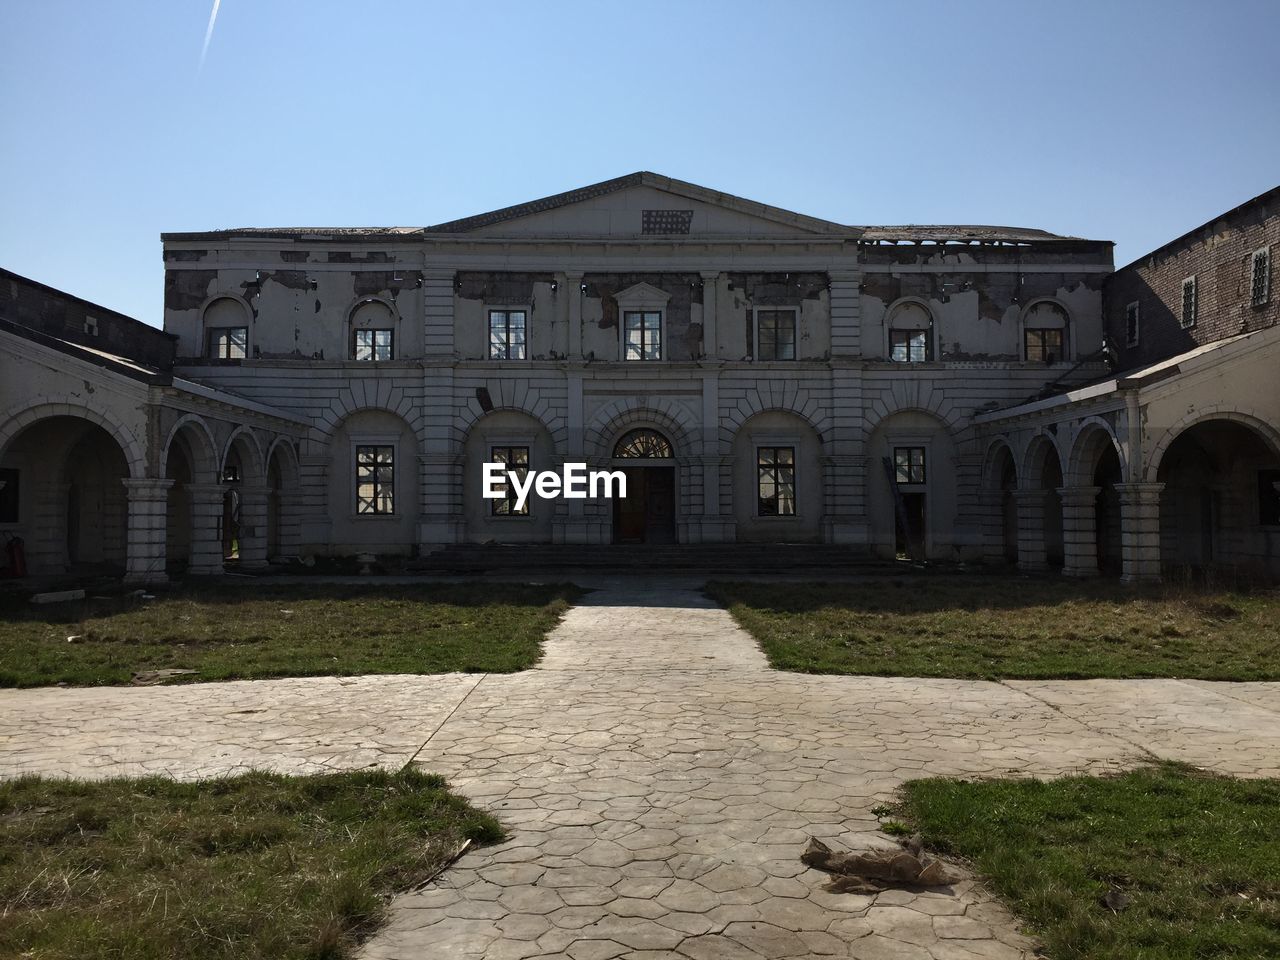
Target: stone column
{"x":290,"y":504}
{"x":1139,"y":532}
{"x":991,"y":505}
{"x":1032,"y":556}
{"x":148,"y":519}
{"x":710,"y":339}
{"x":253,"y":526}
{"x":206,"y":529}
{"x":1079,"y":531}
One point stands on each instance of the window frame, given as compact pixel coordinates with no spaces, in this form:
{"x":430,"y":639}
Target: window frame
{"x":910,"y":447}
{"x":910,"y":332}
{"x":661,"y":332}
{"x":213,"y":348}
{"x":755,"y":334}
{"x":373,"y":347}
{"x":1043,"y":332}
{"x":1261,"y":255}
{"x":510,"y":500}
{"x":1190,"y":312}
{"x":776,"y":469}
{"x":506,"y":310}
{"x":374,"y":442}
{"x":1136,"y":308}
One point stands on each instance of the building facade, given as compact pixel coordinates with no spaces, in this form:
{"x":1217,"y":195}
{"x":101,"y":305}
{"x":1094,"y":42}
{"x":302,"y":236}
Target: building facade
{"x":758,"y":375}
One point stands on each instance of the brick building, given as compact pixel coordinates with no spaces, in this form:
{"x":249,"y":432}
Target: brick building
{"x":757,"y":374}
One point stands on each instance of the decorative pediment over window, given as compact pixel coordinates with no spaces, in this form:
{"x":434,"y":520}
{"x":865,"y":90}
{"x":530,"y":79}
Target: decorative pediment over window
{"x":642,"y":296}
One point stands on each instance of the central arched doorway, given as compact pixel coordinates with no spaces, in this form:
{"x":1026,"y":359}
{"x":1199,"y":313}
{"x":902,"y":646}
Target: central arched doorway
{"x":647,"y":514}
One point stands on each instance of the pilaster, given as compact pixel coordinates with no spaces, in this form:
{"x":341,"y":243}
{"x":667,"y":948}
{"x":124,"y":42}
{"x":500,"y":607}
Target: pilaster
{"x":1079,"y":531}
{"x":1139,"y":531}
{"x":148,"y":517}
{"x":206,"y":528}
{"x":1032,"y":553}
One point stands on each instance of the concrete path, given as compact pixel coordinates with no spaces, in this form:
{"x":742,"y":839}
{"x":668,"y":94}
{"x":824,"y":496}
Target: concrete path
{"x":657,"y":779}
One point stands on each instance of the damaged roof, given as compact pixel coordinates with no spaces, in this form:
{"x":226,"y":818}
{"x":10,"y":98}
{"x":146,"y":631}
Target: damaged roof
{"x":958,"y":233}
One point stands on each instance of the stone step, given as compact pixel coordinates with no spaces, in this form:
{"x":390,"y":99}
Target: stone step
{"x":764,"y":558}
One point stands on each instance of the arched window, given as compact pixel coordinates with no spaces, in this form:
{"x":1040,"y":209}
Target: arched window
{"x":373,"y":332}
{"x":226,"y":326}
{"x":910,"y":333}
{"x":643,"y":444}
{"x":1044,"y":333}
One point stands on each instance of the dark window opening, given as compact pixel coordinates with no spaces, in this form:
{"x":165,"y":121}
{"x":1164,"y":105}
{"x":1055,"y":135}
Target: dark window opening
{"x":908,"y":464}
{"x":909,"y":346}
{"x":9,"y":496}
{"x":516,"y":460}
{"x":776,"y":481}
{"x":1131,"y":325}
{"x":1190,"y":302}
{"x":1043,"y":346}
{"x":1268,"y":498}
{"x":373,"y":345}
{"x":507,"y":334}
{"x":776,"y":332}
{"x":229,"y":343}
{"x":375,"y":479}
{"x":1260,"y":287}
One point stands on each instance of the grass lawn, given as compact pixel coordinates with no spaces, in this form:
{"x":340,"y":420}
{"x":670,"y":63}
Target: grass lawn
{"x":227,"y":633}
{"x":991,"y":628}
{"x":254,"y":866}
{"x":1195,"y":856}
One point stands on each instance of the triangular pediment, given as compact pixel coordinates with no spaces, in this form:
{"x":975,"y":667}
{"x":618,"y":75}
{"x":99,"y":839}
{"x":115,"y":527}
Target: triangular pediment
{"x":644,"y":205}
{"x":638,"y":293}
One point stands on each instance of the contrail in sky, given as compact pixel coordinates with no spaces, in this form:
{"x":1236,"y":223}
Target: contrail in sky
{"x":208,"y":34}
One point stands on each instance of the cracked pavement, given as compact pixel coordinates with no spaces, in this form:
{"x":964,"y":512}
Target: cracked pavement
{"x":657,"y":779}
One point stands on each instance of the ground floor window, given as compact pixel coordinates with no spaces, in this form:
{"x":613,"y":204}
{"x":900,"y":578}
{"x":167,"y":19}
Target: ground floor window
{"x":1044,"y":346}
{"x":908,"y":464}
{"x":375,"y":479}
{"x":776,"y":481}
{"x":516,"y":460}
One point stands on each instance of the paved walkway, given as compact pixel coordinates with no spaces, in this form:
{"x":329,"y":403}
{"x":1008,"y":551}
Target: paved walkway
{"x":658,"y":781}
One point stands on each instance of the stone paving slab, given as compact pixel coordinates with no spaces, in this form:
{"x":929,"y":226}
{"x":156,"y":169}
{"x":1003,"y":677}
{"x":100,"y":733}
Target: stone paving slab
{"x":658,"y":781}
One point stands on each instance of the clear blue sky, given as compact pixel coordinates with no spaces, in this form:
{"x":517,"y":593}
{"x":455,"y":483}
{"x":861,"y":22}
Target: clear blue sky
{"x":1123,"y":121}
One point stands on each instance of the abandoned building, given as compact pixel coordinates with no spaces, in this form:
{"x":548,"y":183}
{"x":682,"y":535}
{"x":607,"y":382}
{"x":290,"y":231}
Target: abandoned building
{"x":944,"y":392}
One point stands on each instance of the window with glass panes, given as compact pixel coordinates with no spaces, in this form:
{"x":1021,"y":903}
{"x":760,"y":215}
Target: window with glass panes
{"x":375,"y":479}
{"x":373,"y":344}
{"x":229,"y":343}
{"x":515,"y":460}
{"x":507,"y":334}
{"x":1260,"y":285}
{"x":1043,"y":345}
{"x":776,"y":481}
{"x":908,"y":464}
{"x":1190,"y":302}
{"x":776,"y":334}
{"x":909,"y":346}
{"x":642,"y":335}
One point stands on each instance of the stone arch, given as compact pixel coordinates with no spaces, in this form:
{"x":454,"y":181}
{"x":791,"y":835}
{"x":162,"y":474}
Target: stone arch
{"x":1036,"y":458}
{"x":1088,"y":443}
{"x":244,"y":441}
{"x":778,"y":488}
{"x":781,"y":397}
{"x":17,"y":418}
{"x":359,"y":395}
{"x":1269,"y":433}
{"x":911,"y":313}
{"x":521,"y":440}
{"x":225,"y":309}
{"x":515,"y":396}
{"x":1045,"y":313}
{"x":999,"y":484}
{"x":927,"y":531}
{"x":913,"y":394}
{"x":191,"y":460}
{"x":373,"y":312}
{"x":614,"y":419}
{"x":203,"y":453}
{"x":998,"y":447}
{"x":283,"y":478}
{"x":1040,"y":516}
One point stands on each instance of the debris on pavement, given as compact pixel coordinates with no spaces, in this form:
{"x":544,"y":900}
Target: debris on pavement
{"x":877,"y":870}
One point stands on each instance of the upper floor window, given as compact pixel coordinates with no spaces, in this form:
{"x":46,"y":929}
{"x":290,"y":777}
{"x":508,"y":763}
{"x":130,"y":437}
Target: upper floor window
{"x":1260,"y":285}
{"x":91,"y":325}
{"x":1190,"y":302}
{"x":516,"y":460}
{"x":1131,"y":324}
{"x":375,"y":479}
{"x":908,"y":464}
{"x":776,"y":333}
{"x":909,"y":346}
{"x":229,"y":343}
{"x":507,"y":334}
{"x":776,"y":481}
{"x":374,"y":344}
{"x":642,"y":335}
{"x":1043,"y":346}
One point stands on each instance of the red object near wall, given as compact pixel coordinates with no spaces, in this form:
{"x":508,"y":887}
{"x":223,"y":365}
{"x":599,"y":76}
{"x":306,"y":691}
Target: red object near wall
{"x":17,"y":557}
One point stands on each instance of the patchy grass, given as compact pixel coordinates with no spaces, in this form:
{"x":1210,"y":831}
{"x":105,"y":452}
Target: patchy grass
{"x":990,"y":628}
{"x":254,"y":866}
{"x":281,"y":631}
{"x":1192,"y":860}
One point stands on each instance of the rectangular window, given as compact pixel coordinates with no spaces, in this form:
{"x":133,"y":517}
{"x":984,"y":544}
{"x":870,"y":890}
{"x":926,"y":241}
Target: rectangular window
{"x":9,"y":496}
{"x":1044,"y":346}
{"x":776,"y":334}
{"x":1268,"y":498}
{"x":506,"y":334}
{"x":1260,"y":287}
{"x":517,"y":462}
{"x":1190,"y":302}
{"x":909,"y":346}
{"x":1131,"y":324}
{"x":908,"y":464}
{"x":643,"y":335}
{"x":229,"y":343}
{"x":373,"y":344}
{"x":91,"y":325}
{"x":776,"y":481}
{"x":375,"y":479}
